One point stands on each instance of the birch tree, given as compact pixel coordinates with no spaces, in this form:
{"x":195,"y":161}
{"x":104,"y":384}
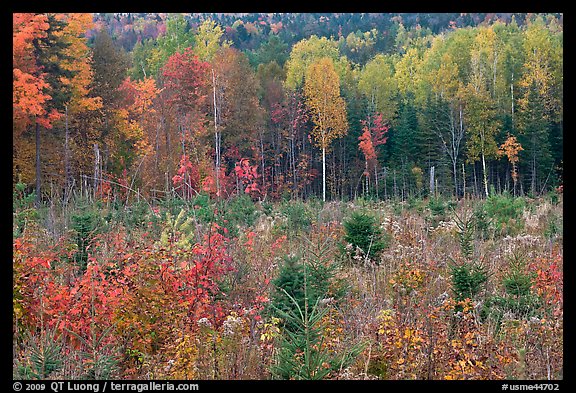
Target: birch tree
{"x":322,"y":92}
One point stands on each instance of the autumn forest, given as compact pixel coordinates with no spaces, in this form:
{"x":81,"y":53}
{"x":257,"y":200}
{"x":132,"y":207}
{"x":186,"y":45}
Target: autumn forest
{"x":353,"y":196}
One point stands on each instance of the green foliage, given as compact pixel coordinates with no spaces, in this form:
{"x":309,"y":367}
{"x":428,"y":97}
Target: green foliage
{"x":467,"y":280}
{"x":267,"y":208}
{"x":519,"y":298}
{"x":23,"y":209}
{"x":136,"y":215}
{"x":176,"y":38}
{"x":505,"y":212}
{"x":298,"y":215}
{"x":289,"y":283}
{"x":362,"y":231}
{"x":438,"y":209}
{"x":239,"y":212}
{"x":84,"y":223}
{"x":314,"y":277}
{"x":553,"y":196}
{"x":518,"y":281}
{"x":301,"y":355}
{"x":520,"y":307}
{"x":99,"y":361}
{"x":42,"y":358}
{"x":178,"y":231}
{"x":536,"y":159}
{"x":482,"y":221}
{"x":416,"y":204}
{"x":174,"y":205}
{"x":465,"y":224}
{"x":275,"y":50}
{"x":203,"y":208}
{"x":554,"y":225}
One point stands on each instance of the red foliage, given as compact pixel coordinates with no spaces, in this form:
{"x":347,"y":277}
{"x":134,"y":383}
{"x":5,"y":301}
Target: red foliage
{"x":185,"y":78}
{"x":209,"y":183}
{"x":187,"y":178}
{"x":247,"y":175}
{"x":372,"y":136}
{"x":549,"y":282}
{"x":28,"y":98}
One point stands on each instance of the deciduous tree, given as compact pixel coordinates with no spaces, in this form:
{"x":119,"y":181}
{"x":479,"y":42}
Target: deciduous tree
{"x":322,"y":91}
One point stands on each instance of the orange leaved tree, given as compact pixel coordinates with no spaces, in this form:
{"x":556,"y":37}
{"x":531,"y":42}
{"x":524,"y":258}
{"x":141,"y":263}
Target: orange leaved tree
{"x":510,"y":149}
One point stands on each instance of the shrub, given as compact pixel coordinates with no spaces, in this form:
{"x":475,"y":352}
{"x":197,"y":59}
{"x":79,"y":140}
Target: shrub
{"x":267,"y":208}
{"x":84,"y":224}
{"x":302,"y":354}
{"x":298,"y":216}
{"x":416,"y":204}
{"x":178,"y":232}
{"x":315,"y":276}
{"x":519,"y":298}
{"x":505,"y":212}
{"x":42,"y":356}
{"x":173,"y":205}
{"x":22,"y":209}
{"x":554,"y":226}
{"x":203,"y":208}
{"x":239,"y":212}
{"x":467,"y":280}
{"x":437,"y":207}
{"x":362,"y":231}
{"x":136,"y":215}
{"x":99,"y":360}
{"x":465,"y":224}
{"x":482,"y":221}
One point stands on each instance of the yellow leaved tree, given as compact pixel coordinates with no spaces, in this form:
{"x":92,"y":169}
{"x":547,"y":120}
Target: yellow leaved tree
{"x":322,"y":92}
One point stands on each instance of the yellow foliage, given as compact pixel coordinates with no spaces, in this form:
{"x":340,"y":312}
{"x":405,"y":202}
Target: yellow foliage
{"x":322,"y":91}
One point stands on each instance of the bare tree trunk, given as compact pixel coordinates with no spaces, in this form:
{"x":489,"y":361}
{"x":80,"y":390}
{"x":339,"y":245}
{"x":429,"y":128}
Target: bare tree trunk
{"x":38,"y":172}
{"x":376,"y":180}
{"x":216,"y":136}
{"x":294,"y":178}
{"x":512,"y":93}
{"x":514,"y":178}
{"x":485,"y":175}
{"x":385,"y":187}
{"x":67,"y":171}
{"x":463,"y":181}
{"x":324,"y":174}
{"x":432,"y":190}
{"x":157,"y":142}
{"x":395,"y":188}
{"x":263,"y":162}
{"x":96,"y":167}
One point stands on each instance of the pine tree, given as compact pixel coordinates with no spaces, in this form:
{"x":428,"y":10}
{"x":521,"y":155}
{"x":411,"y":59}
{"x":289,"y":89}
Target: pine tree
{"x":49,"y":51}
{"x":536,"y":158}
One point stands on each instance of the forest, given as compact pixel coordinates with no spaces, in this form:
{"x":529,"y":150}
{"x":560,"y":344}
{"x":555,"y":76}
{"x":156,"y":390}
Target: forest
{"x":348,"y":196}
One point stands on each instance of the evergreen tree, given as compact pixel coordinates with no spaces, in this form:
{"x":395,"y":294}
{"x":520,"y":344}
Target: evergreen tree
{"x":536,"y":158}
{"x":304,"y":294}
{"x":49,"y":53}
{"x":110,"y":64}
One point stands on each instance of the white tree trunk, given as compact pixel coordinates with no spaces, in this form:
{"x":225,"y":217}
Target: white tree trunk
{"x":216,"y":136}
{"x":485,"y":175}
{"x":324,"y":174}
